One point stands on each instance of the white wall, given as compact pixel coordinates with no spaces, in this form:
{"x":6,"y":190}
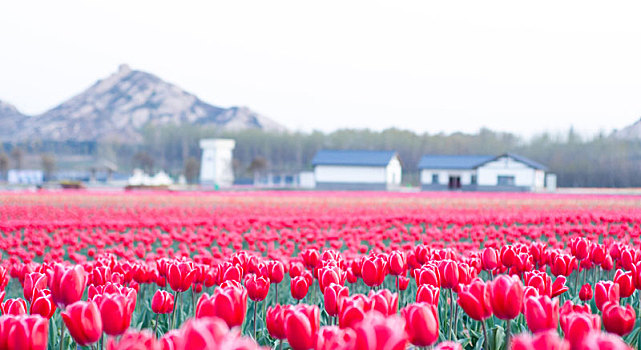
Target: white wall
{"x":306,"y":179}
{"x":350,"y":174}
{"x":216,"y":163}
{"x":444,"y":176}
{"x":394,"y":171}
{"x":523,"y":174}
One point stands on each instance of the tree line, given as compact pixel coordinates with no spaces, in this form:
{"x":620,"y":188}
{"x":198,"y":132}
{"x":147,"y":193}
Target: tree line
{"x":597,"y":161}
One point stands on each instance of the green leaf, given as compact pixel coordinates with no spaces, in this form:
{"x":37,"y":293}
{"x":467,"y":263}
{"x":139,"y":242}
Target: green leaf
{"x":499,"y":338}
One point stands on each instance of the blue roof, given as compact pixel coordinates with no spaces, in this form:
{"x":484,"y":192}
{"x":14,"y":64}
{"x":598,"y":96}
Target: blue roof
{"x":353,"y":158}
{"x":452,"y":162}
{"x":530,"y":162}
{"x":470,"y":162}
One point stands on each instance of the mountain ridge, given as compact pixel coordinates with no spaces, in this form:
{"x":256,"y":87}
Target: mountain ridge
{"x":119,"y":106}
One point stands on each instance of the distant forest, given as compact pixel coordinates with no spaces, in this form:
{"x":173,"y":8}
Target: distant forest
{"x":599,"y":161}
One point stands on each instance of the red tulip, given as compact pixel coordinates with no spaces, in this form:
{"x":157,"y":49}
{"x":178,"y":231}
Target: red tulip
{"x":428,"y":274}
{"x":199,"y":334}
{"x":162,"y":302}
{"x":296,"y":269}
{"x":299,"y":287}
{"x":33,"y":282}
{"x":421,"y":323}
{"x":579,"y":247}
{"x":134,"y":340}
{"x":14,"y":307}
{"x":332,"y":337}
{"x":506,"y":297}
{"x":604,"y":292}
{"x":624,"y":280}
{"x":384,"y":301}
{"x":100,"y":275}
{"x":233,"y":273}
{"x":257,"y":287}
{"x":563,"y":265}
{"x":23,"y":332}
{"x":541,"y":313}
{"x":628,"y":258}
{"x":115,"y":311}
{"x":311,"y":258}
{"x":301,"y":325}
{"x":474,"y":299}
{"x":275,"y":321}
{"x":351,"y":278}
{"x":403,"y":282}
{"x":585,"y":293}
{"x":449,"y":272}
{"x":490,"y":259}
{"x":508,"y":256}
{"x":42,"y":304}
{"x":328,"y":275}
{"x":541,"y":281}
{"x":276,"y":271}
{"x":618,"y":319}
{"x":547,"y":340}
{"x":377,"y":332}
{"x":180,"y":275}
{"x":597,"y":253}
{"x":228,"y":303}
{"x":353,"y":310}
{"x":396,"y":263}
{"x":83,"y":321}
{"x":608,"y":263}
{"x":601,"y":340}
{"x":67,"y":284}
{"x":373,"y":271}
{"x":578,"y":325}
{"x":558,"y":287}
{"x":449,"y":345}
{"x":333,"y":296}
{"x":427,"y":293}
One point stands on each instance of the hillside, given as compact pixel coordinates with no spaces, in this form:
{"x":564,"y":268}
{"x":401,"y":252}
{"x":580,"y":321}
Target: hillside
{"x":120,"y":106}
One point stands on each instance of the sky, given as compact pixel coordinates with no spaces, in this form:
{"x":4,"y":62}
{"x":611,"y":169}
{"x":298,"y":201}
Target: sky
{"x":427,"y":66}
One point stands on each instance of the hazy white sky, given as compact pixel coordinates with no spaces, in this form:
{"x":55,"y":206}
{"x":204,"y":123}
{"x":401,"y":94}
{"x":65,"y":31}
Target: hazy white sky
{"x":421,"y":65}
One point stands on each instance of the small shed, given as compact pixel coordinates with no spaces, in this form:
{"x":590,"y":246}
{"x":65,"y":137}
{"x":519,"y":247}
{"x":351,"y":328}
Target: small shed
{"x":506,"y":172}
{"x":356,"y":170}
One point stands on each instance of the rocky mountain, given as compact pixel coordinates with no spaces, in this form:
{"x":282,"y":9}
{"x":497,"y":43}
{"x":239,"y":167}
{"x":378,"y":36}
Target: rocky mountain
{"x":11,"y":120}
{"x":120,"y":106}
{"x":630,"y":132}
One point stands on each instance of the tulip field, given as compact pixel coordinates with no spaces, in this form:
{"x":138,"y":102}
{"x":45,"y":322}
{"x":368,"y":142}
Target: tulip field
{"x":319,"y":270}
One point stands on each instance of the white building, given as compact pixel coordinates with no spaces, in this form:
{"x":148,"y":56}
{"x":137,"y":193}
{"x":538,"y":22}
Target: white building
{"x":25,"y":177}
{"x":140,"y":178}
{"x":356,"y":170}
{"x":216,"y":163}
{"x":507,"y":172}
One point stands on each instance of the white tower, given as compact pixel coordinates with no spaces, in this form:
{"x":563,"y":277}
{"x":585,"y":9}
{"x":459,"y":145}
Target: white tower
{"x":216,"y":163}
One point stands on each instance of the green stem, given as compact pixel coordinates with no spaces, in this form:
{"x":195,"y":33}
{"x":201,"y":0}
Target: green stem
{"x":576,"y":279}
{"x":173,"y":316}
{"x":455,"y":322}
{"x":508,"y":333}
{"x":62,"y":334}
{"x":156,"y":327}
{"x":486,"y":340}
{"x":276,"y":286}
{"x":180,"y":307}
{"x":449,"y":336}
{"x":193,"y":301}
{"x":255,"y":307}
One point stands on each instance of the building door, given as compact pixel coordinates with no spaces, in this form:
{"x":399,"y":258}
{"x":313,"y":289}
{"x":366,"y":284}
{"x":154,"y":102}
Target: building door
{"x":454,"y":183}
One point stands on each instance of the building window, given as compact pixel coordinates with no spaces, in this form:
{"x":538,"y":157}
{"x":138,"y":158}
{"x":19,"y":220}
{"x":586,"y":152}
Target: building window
{"x":504,"y":180}
{"x":435,"y":178}
{"x":473,"y":180}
